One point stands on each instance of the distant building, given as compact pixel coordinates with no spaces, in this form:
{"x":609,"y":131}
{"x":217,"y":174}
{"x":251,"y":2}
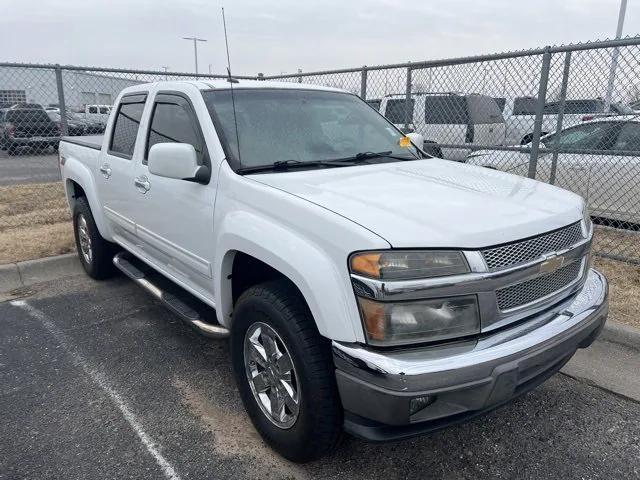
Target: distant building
{"x":38,"y":85}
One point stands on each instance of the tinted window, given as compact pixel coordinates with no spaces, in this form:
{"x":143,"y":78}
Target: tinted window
{"x":399,"y":111}
{"x":446,"y":109}
{"x":173,"y":123}
{"x":375,"y":104}
{"x":575,"y":107}
{"x":590,"y":136}
{"x":501,"y":101}
{"x":629,"y":137}
{"x":104,"y":109}
{"x":93,"y":109}
{"x":484,"y":109}
{"x":524,"y":106}
{"x":126,"y":127}
{"x":25,"y":116}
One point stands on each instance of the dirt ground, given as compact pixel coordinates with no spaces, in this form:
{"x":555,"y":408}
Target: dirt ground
{"x":35,"y":222}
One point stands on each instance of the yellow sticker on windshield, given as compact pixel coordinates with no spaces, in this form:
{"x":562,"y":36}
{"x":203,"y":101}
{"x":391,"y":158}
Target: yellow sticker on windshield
{"x":405,"y":142}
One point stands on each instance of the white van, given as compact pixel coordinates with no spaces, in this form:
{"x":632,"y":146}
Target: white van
{"x":447,"y":119}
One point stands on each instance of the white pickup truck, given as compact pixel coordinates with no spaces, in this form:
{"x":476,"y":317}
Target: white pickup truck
{"x":365,"y":286}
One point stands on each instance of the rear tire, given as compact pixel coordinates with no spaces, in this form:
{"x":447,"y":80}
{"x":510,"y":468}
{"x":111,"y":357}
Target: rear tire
{"x":95,"y":253}
{"x":311,"y":427}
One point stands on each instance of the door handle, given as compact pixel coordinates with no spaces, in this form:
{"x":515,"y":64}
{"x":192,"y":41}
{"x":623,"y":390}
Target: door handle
{"x":105,"y":169}
{"x":142,"y":184}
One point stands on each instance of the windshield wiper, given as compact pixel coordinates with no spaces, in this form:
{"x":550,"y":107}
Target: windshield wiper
{"x":364,"y":156}
{"x":284,"y":165}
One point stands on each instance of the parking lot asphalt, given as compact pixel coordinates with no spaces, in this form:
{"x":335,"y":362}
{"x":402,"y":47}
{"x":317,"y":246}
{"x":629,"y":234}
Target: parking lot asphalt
{"x":97,"y":380}
{"x":28,"y":167}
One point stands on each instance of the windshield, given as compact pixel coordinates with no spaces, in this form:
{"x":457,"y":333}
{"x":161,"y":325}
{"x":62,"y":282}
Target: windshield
{"x":276,"y":125}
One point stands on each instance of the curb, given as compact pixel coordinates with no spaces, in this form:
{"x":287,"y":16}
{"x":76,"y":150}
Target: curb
{"x":619,"y":333}
{"x":23,"y":274}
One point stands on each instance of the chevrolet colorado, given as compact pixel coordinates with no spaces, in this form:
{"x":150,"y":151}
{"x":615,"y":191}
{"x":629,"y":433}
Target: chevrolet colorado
{"x":364,"y":286}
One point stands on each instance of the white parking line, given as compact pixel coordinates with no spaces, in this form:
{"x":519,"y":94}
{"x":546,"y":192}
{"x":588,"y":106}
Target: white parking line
{"x":99,"y":379}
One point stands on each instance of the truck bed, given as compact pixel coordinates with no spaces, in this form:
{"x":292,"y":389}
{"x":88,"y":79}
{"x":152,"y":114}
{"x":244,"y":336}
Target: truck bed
{"x":89,"y":141}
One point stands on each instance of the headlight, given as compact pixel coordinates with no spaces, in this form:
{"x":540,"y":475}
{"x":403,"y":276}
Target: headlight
{"x":408,"y":264}
{"x":587,"y":224}
{"x":419,"y":321}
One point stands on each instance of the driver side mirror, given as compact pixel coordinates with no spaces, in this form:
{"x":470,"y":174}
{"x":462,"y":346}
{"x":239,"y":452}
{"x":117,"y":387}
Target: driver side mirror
{"x":177,"y":160}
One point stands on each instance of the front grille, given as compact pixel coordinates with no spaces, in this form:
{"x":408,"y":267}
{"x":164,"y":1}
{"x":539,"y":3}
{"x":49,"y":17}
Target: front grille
{"x":527,"y":250}
{"x":537,"y":288}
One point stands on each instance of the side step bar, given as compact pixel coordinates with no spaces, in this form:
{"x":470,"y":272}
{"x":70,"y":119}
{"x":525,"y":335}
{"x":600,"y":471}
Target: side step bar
{"x":126,"y":265}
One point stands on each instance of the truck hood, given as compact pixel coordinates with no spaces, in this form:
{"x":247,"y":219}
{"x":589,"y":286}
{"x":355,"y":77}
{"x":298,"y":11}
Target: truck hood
{"x":434,"y":203}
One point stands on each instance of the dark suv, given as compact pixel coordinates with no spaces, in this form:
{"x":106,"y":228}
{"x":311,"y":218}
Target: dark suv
{"x":27,"y":125}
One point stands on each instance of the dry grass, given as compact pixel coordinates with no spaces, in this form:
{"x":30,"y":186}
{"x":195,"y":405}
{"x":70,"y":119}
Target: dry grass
{"x":624,"y":289}
{"x":34,"y":222}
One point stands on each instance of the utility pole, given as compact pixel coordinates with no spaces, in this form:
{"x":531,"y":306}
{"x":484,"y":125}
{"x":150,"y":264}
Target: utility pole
{"x":195,"y":47}
{"x":614,"y":57}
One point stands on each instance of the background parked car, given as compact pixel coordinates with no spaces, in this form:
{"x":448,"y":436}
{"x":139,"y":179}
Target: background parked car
{"x":75,"y":127}
{"x":520,"y":112}
{"x":592,"y":158}
{"x":447,"y":118}
{"x":77,"y":124}
{"x":27,"y":125}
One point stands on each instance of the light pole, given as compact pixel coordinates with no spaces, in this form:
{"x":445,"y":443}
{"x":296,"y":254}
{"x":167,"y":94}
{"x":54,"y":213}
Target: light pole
{"x":614,"y":57}
{"x":195,"y":47}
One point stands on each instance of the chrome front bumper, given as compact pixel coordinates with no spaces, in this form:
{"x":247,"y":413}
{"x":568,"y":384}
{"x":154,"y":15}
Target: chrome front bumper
{"x":463,"y":379}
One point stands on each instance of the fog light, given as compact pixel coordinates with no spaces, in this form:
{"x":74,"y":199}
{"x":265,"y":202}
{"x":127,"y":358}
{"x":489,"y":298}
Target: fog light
{"x":420,"y":403}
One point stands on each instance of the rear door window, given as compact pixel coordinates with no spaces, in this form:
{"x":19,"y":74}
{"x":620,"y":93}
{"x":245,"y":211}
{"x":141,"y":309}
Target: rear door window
{"x":575,"y":107}
{"x":375,"y":104}
{"x":590,"y":136}
{"x":524,"y":106}
{"x":483,"y":109}
{"x":628,"y":138}
{"x":446,"y":109}
{"x":399,"y":111}
{"x":125,"y":128}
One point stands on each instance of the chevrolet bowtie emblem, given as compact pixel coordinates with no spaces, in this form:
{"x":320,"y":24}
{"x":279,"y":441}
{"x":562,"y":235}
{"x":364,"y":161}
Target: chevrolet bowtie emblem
{"x":552,"y":264}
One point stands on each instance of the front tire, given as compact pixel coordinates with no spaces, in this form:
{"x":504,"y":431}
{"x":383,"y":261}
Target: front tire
{"x":96,"y":254}
{"x":284,"y":372}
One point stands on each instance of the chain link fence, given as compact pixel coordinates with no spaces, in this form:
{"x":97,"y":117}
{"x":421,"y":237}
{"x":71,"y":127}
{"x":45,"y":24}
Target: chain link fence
{"x":563,"y":115}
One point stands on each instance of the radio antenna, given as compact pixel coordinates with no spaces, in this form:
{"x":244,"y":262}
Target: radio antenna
{"x":231,"y":81}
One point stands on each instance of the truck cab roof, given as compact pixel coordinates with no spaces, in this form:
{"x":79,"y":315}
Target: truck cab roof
{"x":223,"y":84}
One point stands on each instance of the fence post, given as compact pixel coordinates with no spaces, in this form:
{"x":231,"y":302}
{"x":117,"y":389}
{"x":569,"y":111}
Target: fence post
{"x":408,"y":112}
{"x":563,"y":97}
{"x":537,"y":127}
{"x":300,"y":77}
{"x":363,"y":83}
{"x":64,"y":129}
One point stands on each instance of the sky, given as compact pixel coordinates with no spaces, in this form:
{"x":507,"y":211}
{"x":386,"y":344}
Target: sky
{"x":283,"y":35}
